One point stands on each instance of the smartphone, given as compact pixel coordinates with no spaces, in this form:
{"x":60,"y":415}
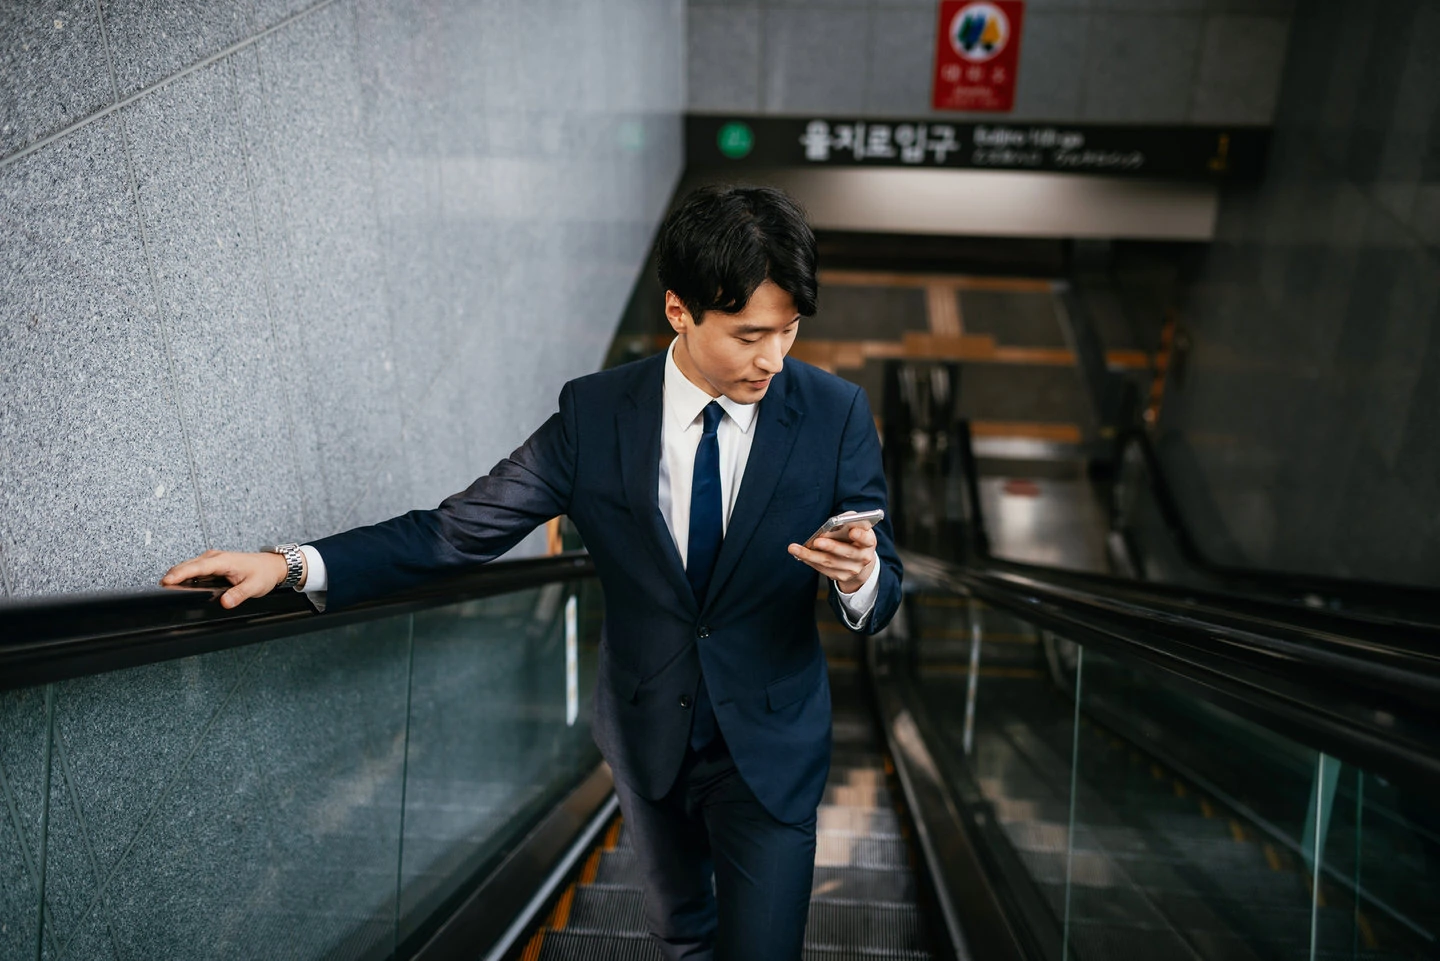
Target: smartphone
{"x":842,"y":522}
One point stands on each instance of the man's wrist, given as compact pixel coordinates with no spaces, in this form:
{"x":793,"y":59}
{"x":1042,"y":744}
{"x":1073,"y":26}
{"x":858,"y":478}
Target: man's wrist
{"x":282,"y":569}
{"x":292,"y":559}
{"x":851,"y":586}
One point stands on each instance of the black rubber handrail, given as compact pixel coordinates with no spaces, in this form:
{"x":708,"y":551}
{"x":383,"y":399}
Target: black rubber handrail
{"x":1360,"y":688}
{"x":50,"y":639}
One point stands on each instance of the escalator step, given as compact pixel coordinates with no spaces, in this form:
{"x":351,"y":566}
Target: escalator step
{"x":857,"y":926}
{"x":580,"y":946}
{"x":619,"y":868}
{"x":863,"y":884}
{"x":862,"y":822}
{"x":867,"y":774}
{"x":848,"y":924}
{"x":857,"y":954}
{"x":857,"y":755}
{"x":850,"y":730}
{"x":858,"y":796}
{"x":605,"y":909}
{"x":839,"y":851}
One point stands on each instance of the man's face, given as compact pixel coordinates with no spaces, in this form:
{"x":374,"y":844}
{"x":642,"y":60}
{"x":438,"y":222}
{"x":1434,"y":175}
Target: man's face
{"x":736,"y":354}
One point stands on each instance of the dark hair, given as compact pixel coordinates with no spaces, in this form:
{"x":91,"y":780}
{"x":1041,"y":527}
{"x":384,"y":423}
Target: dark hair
{"x":723,"y":241}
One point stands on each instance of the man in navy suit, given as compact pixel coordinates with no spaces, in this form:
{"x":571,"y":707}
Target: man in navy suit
{"x":694,"y":478}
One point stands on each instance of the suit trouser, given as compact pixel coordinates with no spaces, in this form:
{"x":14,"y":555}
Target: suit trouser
{"x":711,"y":824}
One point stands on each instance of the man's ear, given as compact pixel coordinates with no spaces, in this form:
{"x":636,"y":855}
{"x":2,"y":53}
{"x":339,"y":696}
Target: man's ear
{"x":677,"y":314}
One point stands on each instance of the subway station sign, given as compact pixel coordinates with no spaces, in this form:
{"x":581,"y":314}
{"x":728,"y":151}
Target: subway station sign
{"x":1185,"y":153}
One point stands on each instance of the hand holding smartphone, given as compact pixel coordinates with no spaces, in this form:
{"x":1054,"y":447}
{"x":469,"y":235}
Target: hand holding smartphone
{"x":840,"y":524}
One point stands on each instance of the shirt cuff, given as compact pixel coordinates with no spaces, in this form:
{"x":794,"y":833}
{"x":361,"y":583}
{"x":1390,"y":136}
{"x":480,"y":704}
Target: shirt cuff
{"x":316,"y":580}
{"x":857,"y":606}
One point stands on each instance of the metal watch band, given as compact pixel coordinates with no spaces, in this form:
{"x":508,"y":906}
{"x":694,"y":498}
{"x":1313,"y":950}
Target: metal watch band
{"x":294,"y":563}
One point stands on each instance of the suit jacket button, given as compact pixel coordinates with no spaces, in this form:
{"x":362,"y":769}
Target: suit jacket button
{"x":685,"y":701}
{"x":702,"y":631}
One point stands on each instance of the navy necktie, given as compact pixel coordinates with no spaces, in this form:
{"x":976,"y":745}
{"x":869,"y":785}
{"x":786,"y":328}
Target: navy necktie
{"x":706,"y":531}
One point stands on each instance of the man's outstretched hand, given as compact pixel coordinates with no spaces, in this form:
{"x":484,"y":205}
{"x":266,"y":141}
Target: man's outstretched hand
{"x":251,"y":575}
{"x":845,"y":560}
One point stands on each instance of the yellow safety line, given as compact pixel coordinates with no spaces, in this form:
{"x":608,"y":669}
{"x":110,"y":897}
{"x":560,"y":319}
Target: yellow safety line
{"x":612,"y":835}
{"x":1272,"y":857}
{"x":1237,"y":831}
{"x":532,"y":950}
{"x":561,"y":915}
{"x":1206,"y":808}
{"x":591,"y":869}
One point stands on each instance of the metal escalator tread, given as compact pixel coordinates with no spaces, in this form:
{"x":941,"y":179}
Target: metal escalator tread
{"x":863,"y":898}
{"x":607,"y":909}
{"x":580,"y":946}
{"x":864,"y":884}
{"x":878,"y":928}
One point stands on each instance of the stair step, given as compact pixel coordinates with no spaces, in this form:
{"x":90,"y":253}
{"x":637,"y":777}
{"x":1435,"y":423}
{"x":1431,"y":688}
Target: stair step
{"x":860,"y":822}
{"x":848,"y":925}
{"x":863,"y":884}
{"x":840,"y":851}
{"x":858,"y":796}
{"x":579,"y":946}
{"x":583,"y":946}
{"x":620,"y":868}
{"x":860,"y":954}
{"x":609,"y":910}
{"x":856,"y":926}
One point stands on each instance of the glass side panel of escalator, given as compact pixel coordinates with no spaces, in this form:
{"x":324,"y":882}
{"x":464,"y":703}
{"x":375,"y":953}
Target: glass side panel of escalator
{"x":310,"y":796}
{"x":1129,"y":818}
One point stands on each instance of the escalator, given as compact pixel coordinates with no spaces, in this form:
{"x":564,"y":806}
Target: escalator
{"x":1239,"y":767}
{"x":865,"y":898}
{"x":410,"y":778}
{"x":1122,"y":807}
{"x":1036,"y":761}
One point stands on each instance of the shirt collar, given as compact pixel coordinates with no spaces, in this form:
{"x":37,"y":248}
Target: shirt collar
{"x":684,"y":401}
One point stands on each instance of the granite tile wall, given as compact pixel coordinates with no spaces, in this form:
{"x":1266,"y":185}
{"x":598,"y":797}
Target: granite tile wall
{"x":274,"y":268}
{"x":1120,"y":61}
{"x":1301,"y":425}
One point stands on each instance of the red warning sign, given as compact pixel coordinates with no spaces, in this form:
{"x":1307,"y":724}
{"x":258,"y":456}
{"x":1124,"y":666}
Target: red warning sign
{"x":977,"y":54}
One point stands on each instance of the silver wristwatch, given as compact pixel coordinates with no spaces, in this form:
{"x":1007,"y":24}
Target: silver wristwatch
{"x":294,"y":563}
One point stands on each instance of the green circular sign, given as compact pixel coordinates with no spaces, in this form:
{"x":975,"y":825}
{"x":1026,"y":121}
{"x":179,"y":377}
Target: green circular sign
{"x":736,"y":139}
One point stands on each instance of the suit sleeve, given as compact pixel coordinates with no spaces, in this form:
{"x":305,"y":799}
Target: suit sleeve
{"x":476,"y":525}
{"x":860,"y":486}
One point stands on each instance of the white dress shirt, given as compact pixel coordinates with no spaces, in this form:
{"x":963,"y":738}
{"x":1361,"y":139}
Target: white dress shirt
{"x":680,"y":429}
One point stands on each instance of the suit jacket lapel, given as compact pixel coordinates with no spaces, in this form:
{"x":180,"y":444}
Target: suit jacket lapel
{"x":638,"y":428}
{"x":777,"y":425}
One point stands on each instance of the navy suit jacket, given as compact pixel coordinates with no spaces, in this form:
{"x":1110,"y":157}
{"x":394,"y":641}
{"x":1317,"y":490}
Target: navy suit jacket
{"x":815,"y":453}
